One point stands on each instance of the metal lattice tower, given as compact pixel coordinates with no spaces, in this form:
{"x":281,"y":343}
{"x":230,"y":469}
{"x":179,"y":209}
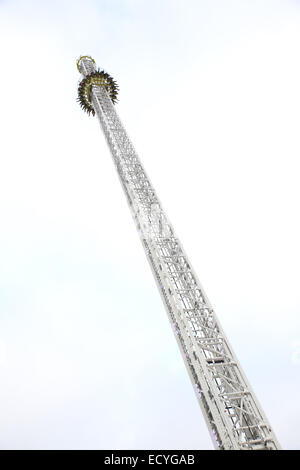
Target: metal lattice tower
{"x":231,"y":410}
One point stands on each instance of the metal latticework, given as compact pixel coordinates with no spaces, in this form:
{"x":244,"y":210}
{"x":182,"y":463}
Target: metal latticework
{"x":232,"y":412}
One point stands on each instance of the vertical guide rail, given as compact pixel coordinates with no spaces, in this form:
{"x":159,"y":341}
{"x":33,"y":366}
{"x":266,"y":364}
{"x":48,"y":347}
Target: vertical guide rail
{"x":231,"y":410}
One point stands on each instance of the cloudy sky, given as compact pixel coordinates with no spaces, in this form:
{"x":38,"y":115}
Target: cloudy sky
{"x":209,"y":94}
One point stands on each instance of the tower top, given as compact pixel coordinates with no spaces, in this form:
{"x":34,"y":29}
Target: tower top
{"x":84,"y":57}
{"x":93,"y":76}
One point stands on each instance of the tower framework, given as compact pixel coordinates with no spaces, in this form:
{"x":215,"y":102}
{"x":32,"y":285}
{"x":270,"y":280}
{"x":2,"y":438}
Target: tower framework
{"x":233,"y":415}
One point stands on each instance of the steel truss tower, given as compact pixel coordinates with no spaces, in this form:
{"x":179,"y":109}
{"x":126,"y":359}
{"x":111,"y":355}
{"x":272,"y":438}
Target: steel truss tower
{"x":231,"y":410}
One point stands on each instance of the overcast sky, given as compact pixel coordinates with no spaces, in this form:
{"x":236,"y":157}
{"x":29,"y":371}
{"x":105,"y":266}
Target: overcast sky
{"x":209,"y":94}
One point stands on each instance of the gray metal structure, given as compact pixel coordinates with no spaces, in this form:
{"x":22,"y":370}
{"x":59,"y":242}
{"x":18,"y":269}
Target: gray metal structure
{"x":233,"y":415}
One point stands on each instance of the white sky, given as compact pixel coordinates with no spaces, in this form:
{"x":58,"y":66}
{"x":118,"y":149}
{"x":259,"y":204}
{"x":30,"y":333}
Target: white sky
{"x":209,"y":93}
